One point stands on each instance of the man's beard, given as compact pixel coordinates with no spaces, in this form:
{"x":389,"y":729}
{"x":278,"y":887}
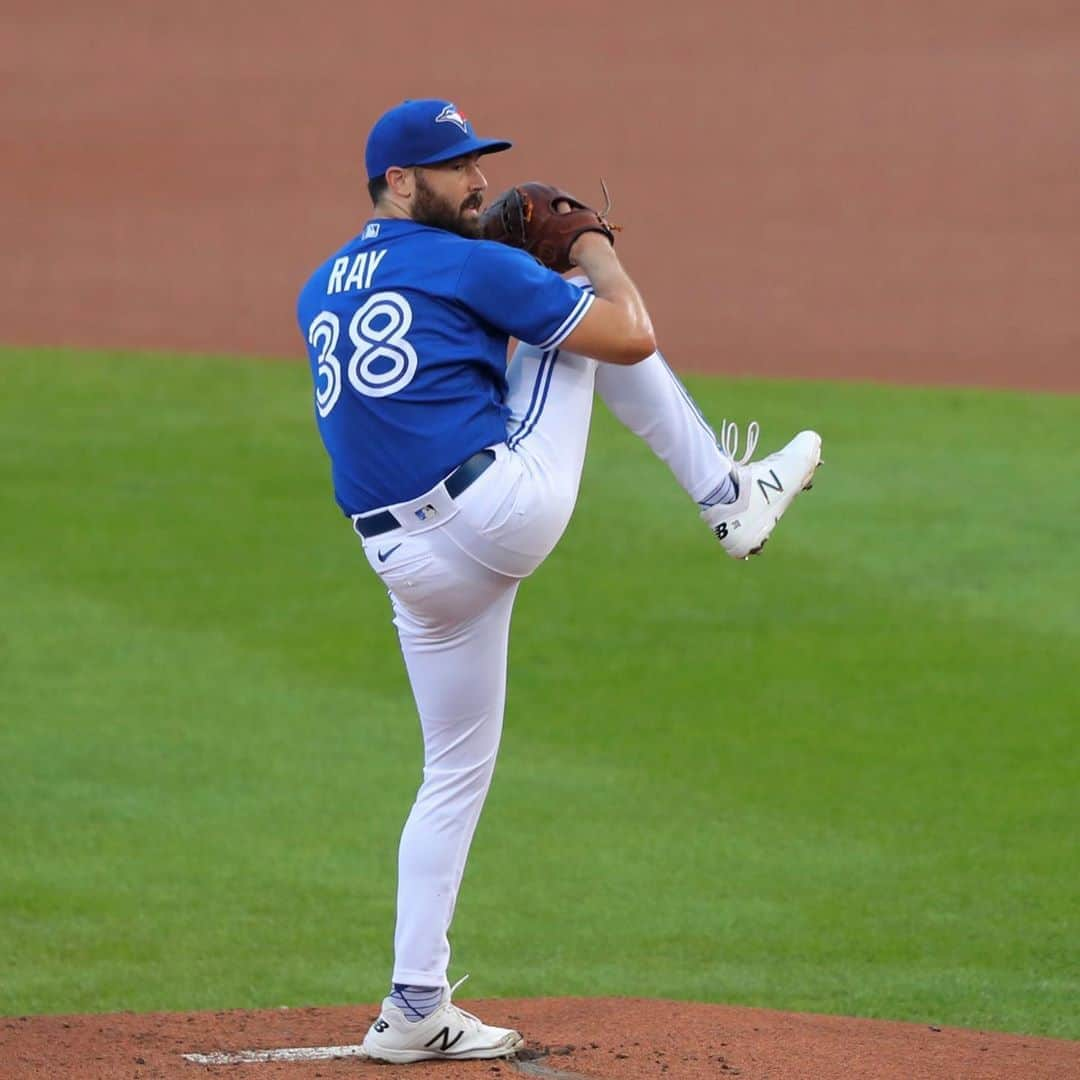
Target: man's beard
{"x":431,"y":208}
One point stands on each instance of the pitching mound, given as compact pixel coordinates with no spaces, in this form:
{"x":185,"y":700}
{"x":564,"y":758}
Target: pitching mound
{"x":567,"y":1038}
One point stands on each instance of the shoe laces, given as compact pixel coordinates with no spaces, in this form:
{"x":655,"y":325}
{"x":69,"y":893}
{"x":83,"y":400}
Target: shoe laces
{"x":458,"y":1009}
{"x":729,"y":440}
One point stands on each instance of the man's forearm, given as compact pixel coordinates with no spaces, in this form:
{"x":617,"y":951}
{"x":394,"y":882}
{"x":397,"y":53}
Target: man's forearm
{"x":595,"y":256}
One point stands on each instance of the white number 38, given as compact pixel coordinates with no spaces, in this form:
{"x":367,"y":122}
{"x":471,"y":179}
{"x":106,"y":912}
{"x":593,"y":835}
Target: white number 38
{"x":383,"y":361}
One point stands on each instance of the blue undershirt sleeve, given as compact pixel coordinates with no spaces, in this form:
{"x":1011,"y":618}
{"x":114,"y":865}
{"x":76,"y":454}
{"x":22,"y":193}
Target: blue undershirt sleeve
{"x":510,"y":290}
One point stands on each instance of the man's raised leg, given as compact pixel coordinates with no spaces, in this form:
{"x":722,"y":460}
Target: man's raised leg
{"x":741,"y":501}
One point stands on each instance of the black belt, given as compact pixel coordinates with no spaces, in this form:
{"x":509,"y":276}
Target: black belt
{"x":468,"y":471}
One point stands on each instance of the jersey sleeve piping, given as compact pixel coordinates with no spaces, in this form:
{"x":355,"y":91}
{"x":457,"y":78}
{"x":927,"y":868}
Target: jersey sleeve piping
{"x":569,"y":323}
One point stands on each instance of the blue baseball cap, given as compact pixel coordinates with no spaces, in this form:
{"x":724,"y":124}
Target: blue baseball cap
{"x":423,"y":133}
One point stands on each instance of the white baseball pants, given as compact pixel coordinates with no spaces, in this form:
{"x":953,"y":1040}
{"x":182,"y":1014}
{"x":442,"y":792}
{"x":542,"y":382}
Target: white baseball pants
{"x":452,"y":583}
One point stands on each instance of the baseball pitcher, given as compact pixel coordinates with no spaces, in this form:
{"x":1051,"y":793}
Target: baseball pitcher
{"x":459,"y":472}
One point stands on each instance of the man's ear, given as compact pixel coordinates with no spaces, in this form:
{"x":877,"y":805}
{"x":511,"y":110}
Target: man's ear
{"x":400,"y":181}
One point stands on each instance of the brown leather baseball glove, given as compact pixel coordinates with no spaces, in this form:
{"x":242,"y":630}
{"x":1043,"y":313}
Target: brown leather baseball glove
{"x":525,"y":217}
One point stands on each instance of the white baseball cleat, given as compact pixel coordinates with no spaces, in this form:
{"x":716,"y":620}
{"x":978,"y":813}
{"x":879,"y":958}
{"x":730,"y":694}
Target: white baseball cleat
{"x":766,"y":489}
{"x":449,"y":1033}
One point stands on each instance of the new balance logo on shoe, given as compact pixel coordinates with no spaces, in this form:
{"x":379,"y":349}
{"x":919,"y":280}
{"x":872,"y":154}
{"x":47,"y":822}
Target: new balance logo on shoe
{"x":460,"y":1036}
{"x":444,"y":1037}
{"x":769,"y":488}
{"x":764,"y":484}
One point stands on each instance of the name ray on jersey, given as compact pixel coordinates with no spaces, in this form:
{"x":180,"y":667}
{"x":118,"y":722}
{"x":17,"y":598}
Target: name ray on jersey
{"x":360,"y":271}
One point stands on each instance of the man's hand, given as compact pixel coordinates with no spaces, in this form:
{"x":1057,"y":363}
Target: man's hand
{"x":589,"y":245}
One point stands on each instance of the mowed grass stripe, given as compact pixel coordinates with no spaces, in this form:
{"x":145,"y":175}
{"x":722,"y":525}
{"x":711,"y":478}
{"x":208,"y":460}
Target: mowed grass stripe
{"x":841,"y":777}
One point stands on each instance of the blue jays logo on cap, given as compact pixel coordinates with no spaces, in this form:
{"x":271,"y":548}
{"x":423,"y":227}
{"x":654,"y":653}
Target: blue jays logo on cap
{"x":450,"y":115}
{"x":423,"y":132}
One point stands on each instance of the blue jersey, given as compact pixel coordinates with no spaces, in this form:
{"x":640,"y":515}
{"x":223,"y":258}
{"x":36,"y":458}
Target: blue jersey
{"x":407,"y":329}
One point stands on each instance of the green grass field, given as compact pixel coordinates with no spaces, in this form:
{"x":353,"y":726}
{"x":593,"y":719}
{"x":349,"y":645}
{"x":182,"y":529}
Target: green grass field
{"x":841,"y":778}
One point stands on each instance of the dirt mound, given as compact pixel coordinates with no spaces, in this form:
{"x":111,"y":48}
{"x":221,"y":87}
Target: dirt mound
{"x":567,"y":1038}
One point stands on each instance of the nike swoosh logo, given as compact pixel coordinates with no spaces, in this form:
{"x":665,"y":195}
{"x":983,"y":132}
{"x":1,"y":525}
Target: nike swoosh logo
{"x":384,"y":555}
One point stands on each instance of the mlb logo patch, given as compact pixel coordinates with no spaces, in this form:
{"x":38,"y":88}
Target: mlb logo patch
{"x":450,"y":115}
{"x":426,"y":512}
{"x":371,"y":231}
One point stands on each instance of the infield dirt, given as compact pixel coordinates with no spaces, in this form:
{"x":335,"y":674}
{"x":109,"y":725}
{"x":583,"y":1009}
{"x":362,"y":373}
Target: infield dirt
{"x":807,"y":190}
{"x":613,"y":1039}
{"x":812,"y":190}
